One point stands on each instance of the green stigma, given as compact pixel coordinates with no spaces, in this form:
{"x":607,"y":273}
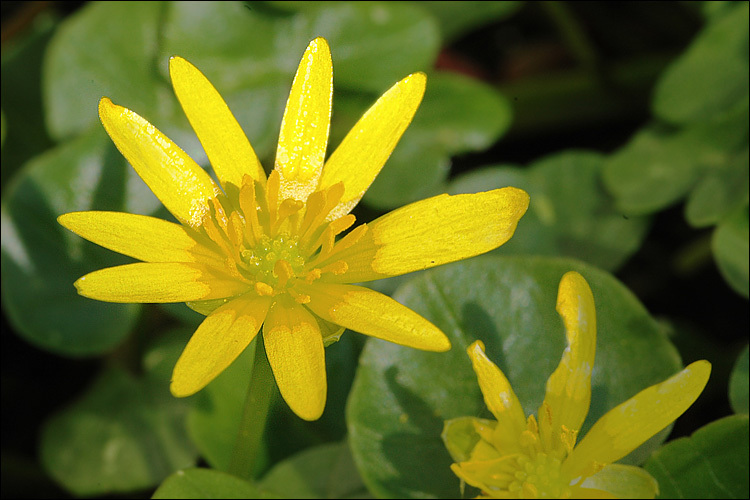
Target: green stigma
{"x":261,"y":260}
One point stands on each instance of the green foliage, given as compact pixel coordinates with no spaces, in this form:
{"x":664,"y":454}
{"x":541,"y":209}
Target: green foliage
{"x":41,"y":260}
{"x":401,"y":397}
{"x":712,"y":463}
{"x":569,"y":212}
{"x":206,"y":483}
{"x":731,"y":250}
{"x":325,"y":471}
{"x":698,"y":149}
{"x":738,"y":384}
{"x":458,"y":115}
{"x":711,"y":76}
{"x":125,"y":433}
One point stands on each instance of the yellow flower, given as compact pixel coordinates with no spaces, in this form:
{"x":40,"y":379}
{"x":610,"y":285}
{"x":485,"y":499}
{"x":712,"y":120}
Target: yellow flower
{"x":263,"y":251}
{"x":516,"y":457}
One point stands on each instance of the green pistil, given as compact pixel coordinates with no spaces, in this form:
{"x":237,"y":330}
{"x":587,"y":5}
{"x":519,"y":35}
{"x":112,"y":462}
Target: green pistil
{"x":262,"y":259}
{"x":539,"y":476}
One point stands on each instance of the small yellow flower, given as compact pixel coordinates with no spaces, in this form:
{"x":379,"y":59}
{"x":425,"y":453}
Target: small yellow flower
{"x":263,"y":251}
{"x":516,"y":457}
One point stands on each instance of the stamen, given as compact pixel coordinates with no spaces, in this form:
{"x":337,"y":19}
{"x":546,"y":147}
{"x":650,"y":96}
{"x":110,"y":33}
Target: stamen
{"x":263,"y":289}
{"x":284,"y":271}
{"x":337,"y":268}
{"x":288,"y":207}
{"x":329,"y":199}
{"x":343,"y":244}
{"x":300,"y":298}
{"x":315,"y":203}
{"x":313,"y":275}
{"x":249,"y":209}
{"x":328,"y":237}
{"x":568,"y":438}
{"x":272,"y":196}
{"x":235,"y":229}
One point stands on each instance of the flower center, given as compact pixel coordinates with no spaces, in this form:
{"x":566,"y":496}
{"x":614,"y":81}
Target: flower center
{"x":262,"y":259}
{"x":539,"y":477}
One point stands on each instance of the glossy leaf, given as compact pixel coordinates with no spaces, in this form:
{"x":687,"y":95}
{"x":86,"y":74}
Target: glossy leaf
{"x":206,"y":483}
{"x":712,"y":463}
{"x":569,"y":213}
{"x":457,"y":115}
{"x":116,"y":63}
{"x":125,"y":433}
{"x":41,"y":260}
{"x":458,"y":18}
{"x":23,"y":118}
{"x":658,"y":167}
{"x":731,"y":248}
{"x":325,"y":471}
{"x":712,"y":74}
{"x":738,"y":384}
{"x":401,"y":397}
{"x":720,"y":192}
{"x":214,"y":420}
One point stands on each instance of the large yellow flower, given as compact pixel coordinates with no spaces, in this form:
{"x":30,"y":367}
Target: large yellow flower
{"x":516,"y":457}
{"x":263,"y":251}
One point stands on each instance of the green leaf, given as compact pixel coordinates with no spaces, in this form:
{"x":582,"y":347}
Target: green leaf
{"x":731,"y":248}
{"x":373,"y":44}
{"x":125,"y":433}
{"x":41,"y":260}
{"x":401,"y":397}
{"x":325,"y":471}
{"x":214,"y":420}
{"x":738,"y":384}
{"x":290,"y":434}
{"x":658,"y":167}
{"x":457,"y":18}
{"x":712,"y":75}
{"x":569,"y":213}
{"x":720,"y":192}
{"x":21,"y":94}
{"x":104,"y":49}
{"x":712,"y":463}
{"x":457,"y":115}
{"x":206,"y":483}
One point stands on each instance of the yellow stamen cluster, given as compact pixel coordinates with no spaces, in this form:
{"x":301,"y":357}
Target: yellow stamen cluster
{"x":534,"y":472}
{"x":270,"y":243}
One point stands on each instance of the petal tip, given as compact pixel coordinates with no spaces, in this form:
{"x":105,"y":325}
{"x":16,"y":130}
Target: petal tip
{"x":180,"y":390}
{"x":476,"y":348}
{"x":63,"y":220}
{"x":318,"y":43}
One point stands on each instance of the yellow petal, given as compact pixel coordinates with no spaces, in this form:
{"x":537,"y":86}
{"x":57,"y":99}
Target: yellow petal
{"x":157,"y":282}
{"x":225,"y":143}
{"x":432,"y":232}
{"x":579,"y":492}
{"x":627,"y":426}
{"x":304,"y":130}
{"x":372,"y":313}
{"x":569,"y":387}
{"x":295,"y":352}
{"x":144,"y":238}
{"x":623,"y":481}
{"x":499,"y":398}
{"x":181,"y":185}
{"x":217,"y":342}
{"x":367,"y":146}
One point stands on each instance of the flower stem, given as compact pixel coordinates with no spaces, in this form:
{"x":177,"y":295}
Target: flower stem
{"x":254,"y":415}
